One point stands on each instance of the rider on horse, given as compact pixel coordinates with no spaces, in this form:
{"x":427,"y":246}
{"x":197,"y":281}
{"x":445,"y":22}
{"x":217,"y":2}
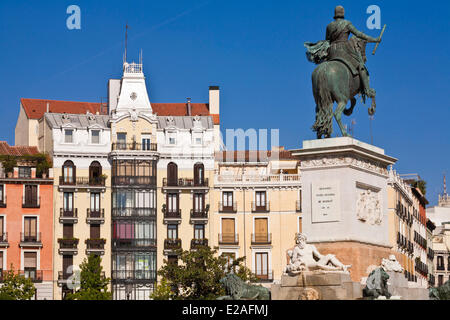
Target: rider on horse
{"x":341,"y":49}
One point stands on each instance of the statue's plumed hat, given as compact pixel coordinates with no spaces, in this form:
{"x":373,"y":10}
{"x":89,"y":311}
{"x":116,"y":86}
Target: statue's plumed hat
{"x":339,"y":12}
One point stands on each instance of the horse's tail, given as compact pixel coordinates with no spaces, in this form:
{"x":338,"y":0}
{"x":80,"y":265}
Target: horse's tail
{"x":324,"y":101}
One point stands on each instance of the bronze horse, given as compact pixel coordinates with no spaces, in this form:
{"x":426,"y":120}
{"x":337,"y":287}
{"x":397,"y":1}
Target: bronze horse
{"x":333,"y":81}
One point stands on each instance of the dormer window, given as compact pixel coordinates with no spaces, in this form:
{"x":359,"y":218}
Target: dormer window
{"x":68,"y":136}
{"x":95,"y":137}
{"x":171,"y":138}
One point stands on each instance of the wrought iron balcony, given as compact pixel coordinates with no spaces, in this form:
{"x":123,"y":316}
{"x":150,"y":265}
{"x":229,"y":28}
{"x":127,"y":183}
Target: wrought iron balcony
{"x":4,"y":240}
{"x":197,"y":243}
{"x":261,"y":238}
{"x":227,"y":207}
{"x":261,"y":207}
{"x":95,"y":216}
{"x":33,"y":275}
{"x":258,"y":180}
{"x":26,"y":203}
{"x":172,"y":214}
{"x":134,"y":146}
{"x":68,"y":216}
{"x":172,"y":244}
{"x":68,"y":246}
{"x":186,"y":183}
{"x":95,"y":246}
{"x":199,"y":214}
{"x":229,"y":238}
{"x":30,"y":240}
{"x":82,"y":181}
{"x":134,"y":180}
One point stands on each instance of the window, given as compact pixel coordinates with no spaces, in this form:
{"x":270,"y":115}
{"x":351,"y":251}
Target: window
{"x":172,"y":231}
{"x":199,"y":174}
{"x":95,"y":202}
{"x":24,"y":172}
{"x":2,"y":195}
{"x":172,"y":174}
{"x":146,"y":142}
{"x":95,"y":137}
{"x":260,"y":199}
{"x":95,"y":231}
{"x":199,"y":203}
{"x":69,"y":172}
{"x":68,"y":201}
{"x":440,"y":263}
{"x":121,"y":141}
{"x":198,"y":141}
{"x":30,"y":229}
{"x":262,"y":265}
{"x":197,"y":138}
{"x":227,"y":198}
{"x":1,"y":261}
{"x":199,"y":231}
{"x":172,"y":202}
{"x":30,"y":264}
{"x":31,"y":197}
{"x":261,"y":231}
{"x":2,"y":231}
{"x":171,"y":138}
{"x":95,"y":173}
{"x":68,"y":136}
{"x":440,"y":280}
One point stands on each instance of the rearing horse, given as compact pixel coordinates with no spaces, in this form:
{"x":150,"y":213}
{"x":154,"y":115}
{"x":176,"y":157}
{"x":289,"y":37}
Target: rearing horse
{"x":332,"y":81}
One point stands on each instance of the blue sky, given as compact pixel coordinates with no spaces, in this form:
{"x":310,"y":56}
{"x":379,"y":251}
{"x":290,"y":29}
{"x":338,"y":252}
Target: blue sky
{"x":254,"y":51}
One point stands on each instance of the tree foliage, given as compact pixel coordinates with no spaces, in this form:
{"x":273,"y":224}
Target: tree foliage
{"x":197,"y":275}
{"x":421,"y":185}
{"x":93,"y":285}
{"x":16,"y":287}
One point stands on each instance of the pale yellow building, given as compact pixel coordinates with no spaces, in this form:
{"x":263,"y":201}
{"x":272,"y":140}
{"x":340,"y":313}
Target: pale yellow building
{"x":256,"y":209}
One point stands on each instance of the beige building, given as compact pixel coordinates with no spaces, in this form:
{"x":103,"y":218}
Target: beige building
{"x":441,"y":248}
{"x":256,"y":209}
{"x":79,"y":146}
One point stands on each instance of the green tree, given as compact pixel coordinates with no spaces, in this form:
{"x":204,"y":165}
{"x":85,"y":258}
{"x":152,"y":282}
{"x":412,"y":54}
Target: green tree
{"x":197,"y":275}
{"x":421,"y":185}
{"x":16,"y":287}
{"x":93,"y":284}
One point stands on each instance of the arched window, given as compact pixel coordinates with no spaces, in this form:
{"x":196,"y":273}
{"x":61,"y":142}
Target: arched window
{"x":172,"y":174}
{"x":199,"y":174}
{"x":69,"y":172}
{"x":95,"y":173}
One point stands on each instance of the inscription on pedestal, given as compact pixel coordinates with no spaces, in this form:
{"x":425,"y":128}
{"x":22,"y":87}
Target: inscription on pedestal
{"x":325,"y":202}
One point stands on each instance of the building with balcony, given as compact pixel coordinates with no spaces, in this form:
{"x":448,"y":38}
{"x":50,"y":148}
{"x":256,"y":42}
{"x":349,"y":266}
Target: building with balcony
{"x":79,"y":145}
{"x":441,"y":251}
{"x":26,"y":217}
{"x":256,"y":208}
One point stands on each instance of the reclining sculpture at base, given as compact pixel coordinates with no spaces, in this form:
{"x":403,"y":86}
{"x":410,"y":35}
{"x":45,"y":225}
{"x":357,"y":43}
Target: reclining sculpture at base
{"x":306,"y":257}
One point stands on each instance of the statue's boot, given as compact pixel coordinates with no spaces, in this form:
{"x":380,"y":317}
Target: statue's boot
{"x":364,"y":75}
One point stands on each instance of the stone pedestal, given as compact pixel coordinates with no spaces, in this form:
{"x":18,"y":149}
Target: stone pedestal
{"x":327,"y":285}
{"x":398,"y":286}
{"x":344,"y":200}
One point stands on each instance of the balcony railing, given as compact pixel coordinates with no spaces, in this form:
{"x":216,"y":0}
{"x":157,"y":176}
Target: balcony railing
{"x":31,"y":204}
{"x":273,"y":179}
{"x":229,"y":238}
{"x":95,"y":216}
{"x":199,"y":214}
{"x":95,"y":246}
{"x":30,"y":240}
{"x":133,"y":275}
{"x":33,"y":275}
{"x":4,"y":239}
{"x":261,"y":238}
{"x":186,"y":183}
{"x":133,"y":212}
{"x":82,"y":181}
{"x":261,"y":206}
{"x":265,"y":276}
{"x":68,"y":216}
{"x":68,"y":246}
{"x":197,"y":243}
{"x":134,"y":146}
{"x":130,"y":244}
{"x":172,"y":214}
{"x":172,"y":244}
{"x":440,"y":267}
{"x":134,"y":180}
{"x":228,"y":207}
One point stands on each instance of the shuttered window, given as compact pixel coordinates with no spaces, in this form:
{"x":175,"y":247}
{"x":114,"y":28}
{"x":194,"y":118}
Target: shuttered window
{"x":30,"y":260}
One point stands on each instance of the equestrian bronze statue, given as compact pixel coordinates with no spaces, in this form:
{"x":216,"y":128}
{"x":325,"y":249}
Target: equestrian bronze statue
{"x":341,"y":73}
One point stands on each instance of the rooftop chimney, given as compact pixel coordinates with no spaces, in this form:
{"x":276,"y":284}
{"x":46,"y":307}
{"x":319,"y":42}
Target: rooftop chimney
{"x":189,"y":108}
{"x":48,"y":107}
